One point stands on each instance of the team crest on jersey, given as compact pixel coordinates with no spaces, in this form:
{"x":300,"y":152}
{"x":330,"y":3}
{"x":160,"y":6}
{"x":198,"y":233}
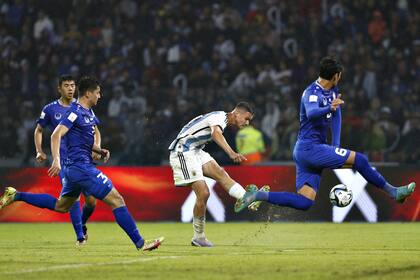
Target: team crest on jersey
{"x":87,"y":120}
{"x":57,"y":116}
{"x":324,"y":101}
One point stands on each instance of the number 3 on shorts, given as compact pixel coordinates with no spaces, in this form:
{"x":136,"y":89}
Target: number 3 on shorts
{"x":103,"y":177}
{"x":340,"y":151}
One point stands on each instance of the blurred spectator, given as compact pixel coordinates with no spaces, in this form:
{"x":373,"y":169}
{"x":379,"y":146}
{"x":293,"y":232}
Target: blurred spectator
{"x":250,"y":143}
{"x":43,"y":25}
{"x":177,"y":59}
{"x":376,"y":28}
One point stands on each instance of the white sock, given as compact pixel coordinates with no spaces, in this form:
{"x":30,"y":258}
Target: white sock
{"x":237,"y":191}
{"x":198,"y":226}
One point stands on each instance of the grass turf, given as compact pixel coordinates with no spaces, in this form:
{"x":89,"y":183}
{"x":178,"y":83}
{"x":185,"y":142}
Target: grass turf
{"x":243,"y":251}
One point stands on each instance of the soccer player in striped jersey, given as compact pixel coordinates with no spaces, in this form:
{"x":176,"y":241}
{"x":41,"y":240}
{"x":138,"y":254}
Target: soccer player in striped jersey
{"x":190,"y":163}
{"x":319,"y":111}
{"x":51,"y":116}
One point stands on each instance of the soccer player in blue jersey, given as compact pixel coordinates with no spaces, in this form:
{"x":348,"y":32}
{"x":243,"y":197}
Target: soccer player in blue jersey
{"x":319,"y":111}
{"x":51,"y":116}
{"x":80,"y":174}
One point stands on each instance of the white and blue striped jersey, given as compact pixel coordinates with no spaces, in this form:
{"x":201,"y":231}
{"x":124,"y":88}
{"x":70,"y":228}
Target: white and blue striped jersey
{"x":197,"y":133}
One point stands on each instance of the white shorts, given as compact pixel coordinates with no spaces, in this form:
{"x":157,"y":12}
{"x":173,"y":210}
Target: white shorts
{"x":187,"y":167}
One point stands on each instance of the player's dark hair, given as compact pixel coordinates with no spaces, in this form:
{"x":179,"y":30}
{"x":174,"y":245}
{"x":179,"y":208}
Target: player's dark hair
{"x":87,"y":84}
{"x":64,"y":78}
{"x":328,"y":67}
{"x":244,"y":106}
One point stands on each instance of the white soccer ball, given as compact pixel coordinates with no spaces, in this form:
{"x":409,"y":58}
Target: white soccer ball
{"x":341,"y":195}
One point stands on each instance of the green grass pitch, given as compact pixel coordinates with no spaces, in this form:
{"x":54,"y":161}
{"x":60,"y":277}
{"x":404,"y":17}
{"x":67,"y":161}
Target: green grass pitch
{"x":243,"y":251}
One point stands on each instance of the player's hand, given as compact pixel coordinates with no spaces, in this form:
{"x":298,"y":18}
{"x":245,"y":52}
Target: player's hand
{"x":96,"y":156}
{"x":336,"y":103}
{"x":55,"y":168}
{"x":237,"y":158}
{"x":40,"y":156}
{"x":105,"y":155}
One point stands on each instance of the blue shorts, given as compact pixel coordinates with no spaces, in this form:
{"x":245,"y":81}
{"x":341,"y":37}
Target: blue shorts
{"x":311,"y":159}
{"x":86,"y":179}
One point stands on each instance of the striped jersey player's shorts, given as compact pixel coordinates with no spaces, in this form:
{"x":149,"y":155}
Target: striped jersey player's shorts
{"x":187,"y":166}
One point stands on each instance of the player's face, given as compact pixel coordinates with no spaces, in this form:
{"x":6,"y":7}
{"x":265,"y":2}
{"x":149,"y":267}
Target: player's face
{"x":94,"y":96}
{"x":336,"y":78}
{"x":67,"y":89}
{"x":243,"y":118}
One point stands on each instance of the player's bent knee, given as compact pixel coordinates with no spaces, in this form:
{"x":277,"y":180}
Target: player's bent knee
{"x":203,"y":195}
{"x":62,"y":209}
{"x":114,"y":199}
{"x":90,"y":201}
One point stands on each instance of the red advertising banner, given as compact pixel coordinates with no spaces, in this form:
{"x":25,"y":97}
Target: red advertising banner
{"x":150,"y":195}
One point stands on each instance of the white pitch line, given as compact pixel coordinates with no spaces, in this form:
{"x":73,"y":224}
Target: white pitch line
{"x":79,"y":265}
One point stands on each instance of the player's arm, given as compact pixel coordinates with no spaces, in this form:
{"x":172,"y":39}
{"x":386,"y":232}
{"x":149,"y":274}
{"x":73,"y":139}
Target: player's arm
{"x":40,"y":155}
{"x":104,"y":153}
{"x":314,"y":111}
{"x":97,"y":141}
{"x":336,"y":128}
{"x":56,"y":136}
{"x":217,"y":136}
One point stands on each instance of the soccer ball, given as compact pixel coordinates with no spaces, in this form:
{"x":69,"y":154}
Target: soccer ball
{"x":341,"y":195}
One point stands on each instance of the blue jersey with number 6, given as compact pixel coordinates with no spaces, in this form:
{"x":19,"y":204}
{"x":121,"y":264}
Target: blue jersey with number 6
{"x":312,"y":153}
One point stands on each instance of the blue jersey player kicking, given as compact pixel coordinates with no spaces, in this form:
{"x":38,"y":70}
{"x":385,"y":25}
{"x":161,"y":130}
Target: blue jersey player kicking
{"x":320,"y":110}
{"x":51,"y":116}
{"x":79,"y":173}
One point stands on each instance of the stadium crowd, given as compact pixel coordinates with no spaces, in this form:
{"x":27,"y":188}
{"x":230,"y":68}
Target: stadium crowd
{"x":161,"y":63}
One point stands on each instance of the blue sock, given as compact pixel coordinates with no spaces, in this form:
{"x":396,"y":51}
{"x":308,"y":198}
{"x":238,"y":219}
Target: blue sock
{"x":289,"y":199}
{"x":40,"y":200}
{"x":76,"y":220}
{"x":262,"y":196}
{"x":86,"y":213}
{"x":127,"y":223}
{"x":362,"y":165}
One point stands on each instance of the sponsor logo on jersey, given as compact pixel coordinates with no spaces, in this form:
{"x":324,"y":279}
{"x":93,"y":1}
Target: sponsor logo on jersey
{"x":72,"y":117}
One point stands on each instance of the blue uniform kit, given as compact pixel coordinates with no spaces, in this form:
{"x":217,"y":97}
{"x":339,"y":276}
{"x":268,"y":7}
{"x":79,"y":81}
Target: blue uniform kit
{"x":80,"y":174}
{"x":312,"y":153}
{"x":51,"y":116}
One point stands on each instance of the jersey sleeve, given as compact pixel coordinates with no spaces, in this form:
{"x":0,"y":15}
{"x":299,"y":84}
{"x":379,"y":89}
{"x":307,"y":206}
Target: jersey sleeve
{"x":45,"y":117}
{"x":97,"y":122}
{"x":218,"y":119}
{"x":311,"y":101}
{"x":336,"y":128}
{"x":69,"y":119}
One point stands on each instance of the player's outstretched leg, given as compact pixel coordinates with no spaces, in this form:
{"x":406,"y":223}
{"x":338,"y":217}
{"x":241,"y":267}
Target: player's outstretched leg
{"x":213,"y":170}
{"x":361,"y":164}
{"x":293,"y":200}
{"x":39,"y":200}
{"x":127,"y":223}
